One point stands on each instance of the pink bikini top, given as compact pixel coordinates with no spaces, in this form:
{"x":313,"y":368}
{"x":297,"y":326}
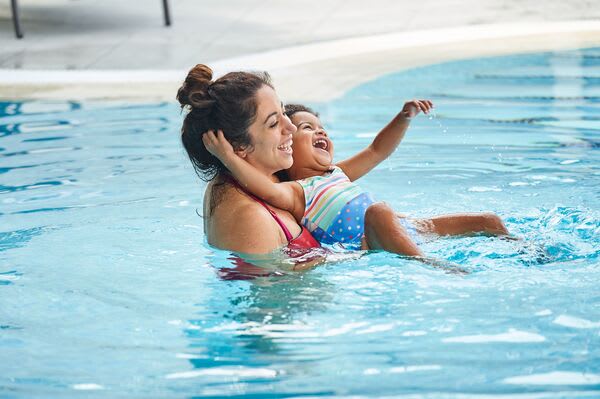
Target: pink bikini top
{"x":303,"y":240}
{"x":296,"y":248}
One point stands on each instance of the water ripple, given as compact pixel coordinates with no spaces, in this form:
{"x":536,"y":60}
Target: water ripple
{"x":19,"y":238}
{"x":7,"y":278}
{"x":556,"y":378}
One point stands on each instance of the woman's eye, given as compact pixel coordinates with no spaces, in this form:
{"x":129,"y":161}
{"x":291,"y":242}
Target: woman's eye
{"x":274,"y":124}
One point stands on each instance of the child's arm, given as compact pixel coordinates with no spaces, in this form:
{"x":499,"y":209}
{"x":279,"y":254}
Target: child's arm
{"x":385,"y":142}
{"x":285,"y":195}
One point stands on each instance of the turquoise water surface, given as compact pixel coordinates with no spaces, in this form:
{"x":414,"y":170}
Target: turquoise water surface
{"x":108,"y":288}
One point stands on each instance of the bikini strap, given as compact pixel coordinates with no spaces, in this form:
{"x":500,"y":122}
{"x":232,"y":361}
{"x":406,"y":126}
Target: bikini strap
{"x":288,"y":235}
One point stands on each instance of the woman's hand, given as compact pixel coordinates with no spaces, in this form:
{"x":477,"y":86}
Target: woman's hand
{"x":218,"y":145}
{"x":413,"y":107}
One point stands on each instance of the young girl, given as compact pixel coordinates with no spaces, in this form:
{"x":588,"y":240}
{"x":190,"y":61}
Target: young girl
{"x":325,"y":199}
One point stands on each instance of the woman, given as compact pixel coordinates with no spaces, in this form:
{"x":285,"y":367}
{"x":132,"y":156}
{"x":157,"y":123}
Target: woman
{"x":244,"y":106}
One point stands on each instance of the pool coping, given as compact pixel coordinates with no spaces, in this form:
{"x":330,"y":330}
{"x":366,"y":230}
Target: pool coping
{"x":313,"y":72}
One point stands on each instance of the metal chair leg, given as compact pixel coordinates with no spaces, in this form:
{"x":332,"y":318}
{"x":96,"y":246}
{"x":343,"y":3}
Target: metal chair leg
{"x":15,"y":18}
{"x":167,"y":14}
{"x":19,"y":33}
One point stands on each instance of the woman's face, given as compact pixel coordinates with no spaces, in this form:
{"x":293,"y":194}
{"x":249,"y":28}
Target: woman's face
{"x":271,"y":134}
{"x":313,"y":150}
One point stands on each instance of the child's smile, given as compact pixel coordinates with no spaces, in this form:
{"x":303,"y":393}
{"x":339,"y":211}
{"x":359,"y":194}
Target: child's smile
{"x":312,"y":148}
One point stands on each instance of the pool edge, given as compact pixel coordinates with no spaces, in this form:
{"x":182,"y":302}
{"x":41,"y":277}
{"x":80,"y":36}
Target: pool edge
{"x":316,"y":72}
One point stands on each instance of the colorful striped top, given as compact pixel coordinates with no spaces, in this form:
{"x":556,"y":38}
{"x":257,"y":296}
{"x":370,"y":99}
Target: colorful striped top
{"x":327,"y":209}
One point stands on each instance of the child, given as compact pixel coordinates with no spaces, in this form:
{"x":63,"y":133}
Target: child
{"x":324,"y":197}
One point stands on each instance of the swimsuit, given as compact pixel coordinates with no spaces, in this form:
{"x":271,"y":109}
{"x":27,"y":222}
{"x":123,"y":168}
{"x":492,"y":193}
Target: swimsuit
{"x":304,"y":240}
{"x":335,"y":209}
{"x":298,"y":247}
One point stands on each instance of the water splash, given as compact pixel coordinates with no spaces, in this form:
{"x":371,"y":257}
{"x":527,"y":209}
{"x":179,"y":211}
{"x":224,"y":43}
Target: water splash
{"x":434,"y":117}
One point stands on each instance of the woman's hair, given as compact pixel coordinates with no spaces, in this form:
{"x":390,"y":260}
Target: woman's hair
{"x":291,"y":109}
{"x":227,"y":104}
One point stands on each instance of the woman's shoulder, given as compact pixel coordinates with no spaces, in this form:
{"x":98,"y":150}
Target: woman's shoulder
{"x":224,"y":202}
{"x":227,"y":199}
{"x":239,"y":223}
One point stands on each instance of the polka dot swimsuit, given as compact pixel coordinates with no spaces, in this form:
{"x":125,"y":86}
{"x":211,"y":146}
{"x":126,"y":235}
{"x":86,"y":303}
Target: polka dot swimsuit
{"x":349,"y":225}
{"x":335,"y":208}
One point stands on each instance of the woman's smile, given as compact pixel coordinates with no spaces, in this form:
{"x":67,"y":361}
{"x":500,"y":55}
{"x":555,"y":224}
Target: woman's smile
{"x":286,"y":147}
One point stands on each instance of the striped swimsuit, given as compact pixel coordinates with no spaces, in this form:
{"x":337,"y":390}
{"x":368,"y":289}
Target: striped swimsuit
{"x":335,"y":208}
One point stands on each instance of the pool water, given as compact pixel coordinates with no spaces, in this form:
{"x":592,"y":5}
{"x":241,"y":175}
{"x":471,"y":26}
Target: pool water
{"x":108,"y":288}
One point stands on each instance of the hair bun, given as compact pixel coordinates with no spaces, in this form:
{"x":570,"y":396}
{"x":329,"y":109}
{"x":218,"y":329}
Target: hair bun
{"x":195,"y":89}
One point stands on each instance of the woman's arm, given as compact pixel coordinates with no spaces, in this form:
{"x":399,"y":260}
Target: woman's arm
{"x":385,"y":142}
{"x":286,"y":195}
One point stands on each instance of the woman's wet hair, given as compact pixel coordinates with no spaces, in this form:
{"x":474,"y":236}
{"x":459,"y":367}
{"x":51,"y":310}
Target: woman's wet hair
{"x":291,"y":109}
{"x":227,"y":104}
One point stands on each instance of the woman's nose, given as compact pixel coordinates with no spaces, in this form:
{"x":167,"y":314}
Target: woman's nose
{"x":289,"y":127}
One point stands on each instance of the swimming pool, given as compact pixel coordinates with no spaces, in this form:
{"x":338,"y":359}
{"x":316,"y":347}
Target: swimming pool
{"x":107,"y":285}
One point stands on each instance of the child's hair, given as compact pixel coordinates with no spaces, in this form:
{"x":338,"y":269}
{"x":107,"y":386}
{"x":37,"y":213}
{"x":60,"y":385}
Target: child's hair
{"x":291,"y":109}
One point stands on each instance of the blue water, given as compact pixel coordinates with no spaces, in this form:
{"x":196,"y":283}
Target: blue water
{"x":108,"y":289}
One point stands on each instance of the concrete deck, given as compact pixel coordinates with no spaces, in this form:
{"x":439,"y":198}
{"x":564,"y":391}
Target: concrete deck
{"x":314,"y":49}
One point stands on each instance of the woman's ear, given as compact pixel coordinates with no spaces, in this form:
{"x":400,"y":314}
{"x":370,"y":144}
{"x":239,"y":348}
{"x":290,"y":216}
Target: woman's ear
{"x":241,"y":151}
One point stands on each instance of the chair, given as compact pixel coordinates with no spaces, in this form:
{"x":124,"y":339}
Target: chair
{"x":19,"y":32}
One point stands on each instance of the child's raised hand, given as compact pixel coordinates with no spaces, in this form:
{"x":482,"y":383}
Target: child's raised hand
{"x":217,"y":144}
{"x":413,"y":107}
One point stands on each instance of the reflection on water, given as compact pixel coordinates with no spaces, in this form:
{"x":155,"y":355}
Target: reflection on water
{"x":270,"y":301}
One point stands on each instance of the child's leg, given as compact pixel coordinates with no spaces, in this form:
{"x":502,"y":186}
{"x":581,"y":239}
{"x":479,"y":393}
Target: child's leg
{"x":383,"y":231}
{"x":463,"y":224}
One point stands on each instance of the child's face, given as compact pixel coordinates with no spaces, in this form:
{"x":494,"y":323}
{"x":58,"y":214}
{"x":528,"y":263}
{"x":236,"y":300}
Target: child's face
{"x":312,"y":148}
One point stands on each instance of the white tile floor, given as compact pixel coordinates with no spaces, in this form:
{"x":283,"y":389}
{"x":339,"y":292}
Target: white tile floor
{"x":115,"y":34}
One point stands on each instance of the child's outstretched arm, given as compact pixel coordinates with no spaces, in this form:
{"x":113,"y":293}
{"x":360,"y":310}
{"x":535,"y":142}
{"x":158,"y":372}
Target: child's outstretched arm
{"x":385,"y":142}
{"x":285,"y":195}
